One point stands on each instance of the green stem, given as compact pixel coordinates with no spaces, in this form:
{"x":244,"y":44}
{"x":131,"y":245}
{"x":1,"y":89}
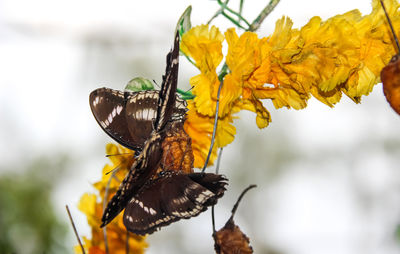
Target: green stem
{"x":240,"y":9}
{"x":232,"y":20}
{"x":223,"y":6}
{"x":234,"y":13}
{"x":223,"y":72}
{"x":253,"y":27}
{"x":188,"y":58}
{"x":263,"y":14}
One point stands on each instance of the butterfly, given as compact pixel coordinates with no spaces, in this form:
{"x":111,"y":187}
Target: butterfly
{"x":390,"y":74}
{"x":148,"y":194}
{"x":230,"y":239}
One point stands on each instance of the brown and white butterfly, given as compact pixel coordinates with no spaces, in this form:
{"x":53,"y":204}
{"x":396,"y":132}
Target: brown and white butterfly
{"x":150,"y":191}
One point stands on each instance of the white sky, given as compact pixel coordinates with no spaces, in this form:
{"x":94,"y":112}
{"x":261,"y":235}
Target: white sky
{"x":53,"y":53}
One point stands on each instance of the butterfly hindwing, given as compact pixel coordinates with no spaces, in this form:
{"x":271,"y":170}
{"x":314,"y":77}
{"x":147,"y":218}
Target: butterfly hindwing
{"x":171,"y":197}
{"x":128,"y":117}
{"x":141,"y":111}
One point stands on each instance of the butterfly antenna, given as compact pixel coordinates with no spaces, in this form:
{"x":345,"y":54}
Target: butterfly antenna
{"x":75,"y":231}
{"x":215,"y":127}
{"x":239,"y":199}
{"x":118,"y":154}
{"x":117,"y":167}
{"x":113,"y":170}
{"x":155,"y":82}
{"x":391,"y":27}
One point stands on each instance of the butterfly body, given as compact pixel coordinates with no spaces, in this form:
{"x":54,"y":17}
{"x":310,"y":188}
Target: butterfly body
{"x":177,"y":150}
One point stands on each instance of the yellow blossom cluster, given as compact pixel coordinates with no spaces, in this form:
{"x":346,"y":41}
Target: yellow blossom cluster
{"x":93,"y":205}
{"x":325,"y":59}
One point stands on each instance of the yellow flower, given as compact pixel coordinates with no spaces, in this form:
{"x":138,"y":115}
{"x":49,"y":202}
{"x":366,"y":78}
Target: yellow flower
{"x":323,"y":59}
{"x":204,"y":45}
{"x":121,"y":160}
{"x":200,"y":127}
{"x":327,"y":58}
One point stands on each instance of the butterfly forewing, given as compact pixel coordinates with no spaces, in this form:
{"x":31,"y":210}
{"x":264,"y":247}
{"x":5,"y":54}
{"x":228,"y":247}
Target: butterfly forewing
{"x":142,"y":170}
{"x":171,"y":197}
{"x":109,"y":109}
{"x":167,"y":97}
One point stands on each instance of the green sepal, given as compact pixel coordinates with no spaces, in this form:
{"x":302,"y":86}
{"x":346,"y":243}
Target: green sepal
{"x":184,"y":23}
{"x":185,"y":95}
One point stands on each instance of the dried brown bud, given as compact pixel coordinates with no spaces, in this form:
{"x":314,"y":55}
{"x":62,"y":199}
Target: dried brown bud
{"x":230,"y":239}
{"x":390,"y":76}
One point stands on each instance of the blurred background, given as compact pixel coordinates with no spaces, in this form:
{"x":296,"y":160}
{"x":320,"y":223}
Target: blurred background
{"x":328,"y":179}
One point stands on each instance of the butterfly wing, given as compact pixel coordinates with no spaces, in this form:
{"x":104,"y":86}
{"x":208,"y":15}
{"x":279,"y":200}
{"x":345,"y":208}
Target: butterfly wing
{"x":171,"y":197}
{"x":127,"y":117}
{"x":142,"y":170}
{"x":167,"y":96}
{"x":141,"y":110}
{"x":109,"y":109}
